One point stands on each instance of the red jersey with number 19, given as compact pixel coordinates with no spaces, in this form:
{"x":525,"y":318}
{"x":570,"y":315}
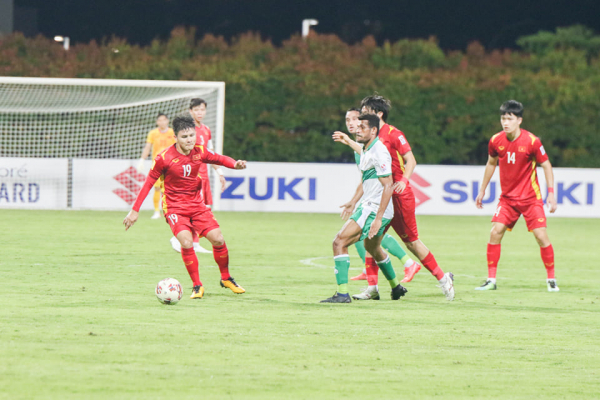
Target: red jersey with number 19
{"x":517,"y":161}
{"x":181,"y":178}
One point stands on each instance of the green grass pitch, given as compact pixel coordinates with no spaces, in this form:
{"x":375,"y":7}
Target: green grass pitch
{"x":79,"y":319}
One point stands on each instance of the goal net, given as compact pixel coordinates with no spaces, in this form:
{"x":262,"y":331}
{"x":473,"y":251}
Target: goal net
{"x":70,"y":120}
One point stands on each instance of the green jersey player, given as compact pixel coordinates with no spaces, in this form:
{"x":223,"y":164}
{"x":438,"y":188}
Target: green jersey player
{"x":374,"y":213}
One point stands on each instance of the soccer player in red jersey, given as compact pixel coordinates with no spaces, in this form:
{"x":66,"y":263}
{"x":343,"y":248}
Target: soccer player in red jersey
{"x":517,"y":152}
{"x":404,"y":221}
{"x":203,"y":138}
{"x":183,"y":204}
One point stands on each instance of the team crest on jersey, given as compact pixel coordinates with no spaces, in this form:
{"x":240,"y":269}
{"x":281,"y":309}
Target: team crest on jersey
{"x":500,"y":147}
{"x":197,"y":157}
{"x":176,"y":160}
{"x":521,"y":149}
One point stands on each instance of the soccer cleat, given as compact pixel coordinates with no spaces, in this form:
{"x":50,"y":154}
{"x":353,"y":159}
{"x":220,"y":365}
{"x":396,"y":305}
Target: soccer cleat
{"x":197,"y":292}
{"x":487,"y":285}
{"x":410,"y":272}
{"x":552,"y":286}
{"x":156,"y":215}
{"x":398,"y":292}
{"x":338,"y":298}
{"x":361,"y":277}
{"x":175,"y":244}
{"x":200,"y":249}
{"x":448,"y":286}
{"x":367,"y":294}
{"x":231,"y":284}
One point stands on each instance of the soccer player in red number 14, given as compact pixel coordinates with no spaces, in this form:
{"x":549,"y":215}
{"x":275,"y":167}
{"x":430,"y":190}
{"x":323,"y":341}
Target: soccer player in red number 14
{"x":517,"y":152}
{"x":183,"y":205}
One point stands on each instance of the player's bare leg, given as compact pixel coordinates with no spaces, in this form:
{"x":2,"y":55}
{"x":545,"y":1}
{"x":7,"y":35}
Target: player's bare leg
{"x":547,"y":253}
{"x":373,"y":246}
{"x":221,"y":256}
{"x":347,"y":236}
{"x":493,"y":255}
{"x":191,"y":262}
{"x":446,"y":281}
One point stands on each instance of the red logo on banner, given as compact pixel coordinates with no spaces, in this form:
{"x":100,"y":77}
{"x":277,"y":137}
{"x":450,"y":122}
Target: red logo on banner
{"x":420,"y":197}
{"x":132,"y":180}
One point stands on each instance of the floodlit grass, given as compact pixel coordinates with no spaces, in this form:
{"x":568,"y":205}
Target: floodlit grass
{"x":79,"y":318}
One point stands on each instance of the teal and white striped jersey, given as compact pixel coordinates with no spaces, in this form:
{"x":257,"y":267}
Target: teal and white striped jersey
{"x":374,"y":162}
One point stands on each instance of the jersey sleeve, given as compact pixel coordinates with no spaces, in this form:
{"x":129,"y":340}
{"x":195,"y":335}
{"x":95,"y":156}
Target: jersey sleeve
{"x":153,"y":175}
{"x":383,"y":163}
{"x":401,"y":144}
{"x":539,"y":152}
{"x":210,"y":157}
{"x":150,"y":138}
{"x":492,"y":148}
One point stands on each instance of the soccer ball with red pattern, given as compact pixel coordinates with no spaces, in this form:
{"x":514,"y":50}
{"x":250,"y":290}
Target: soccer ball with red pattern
{"x":169,"y":291}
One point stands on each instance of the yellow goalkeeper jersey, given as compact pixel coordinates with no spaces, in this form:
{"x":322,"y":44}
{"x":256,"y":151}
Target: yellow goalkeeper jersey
{"x":160,"y":140}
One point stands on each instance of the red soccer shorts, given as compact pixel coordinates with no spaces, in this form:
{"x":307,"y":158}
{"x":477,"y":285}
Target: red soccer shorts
{"x":404,"y":221}
{"x":199,"y":222}
{"x":206,"y":191}
{"x":508,"y":213}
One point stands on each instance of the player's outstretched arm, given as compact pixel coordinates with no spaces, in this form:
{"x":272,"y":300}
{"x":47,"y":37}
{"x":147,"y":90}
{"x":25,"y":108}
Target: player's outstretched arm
{"x":348,"y":208}
{"x":549,"y":174}
{"x":341,"y":137}
{"x":130,"y":219}
{"x":490,"y":167}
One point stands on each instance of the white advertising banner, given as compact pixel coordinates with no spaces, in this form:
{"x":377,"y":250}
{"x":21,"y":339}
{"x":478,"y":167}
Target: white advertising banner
{"x":439,"y":189}
{"x":276,"y":187}
{"x":102,"y":184}
{"x":33,"y":183}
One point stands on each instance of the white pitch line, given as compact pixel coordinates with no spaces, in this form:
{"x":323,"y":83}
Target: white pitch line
{"x":310,"y":262}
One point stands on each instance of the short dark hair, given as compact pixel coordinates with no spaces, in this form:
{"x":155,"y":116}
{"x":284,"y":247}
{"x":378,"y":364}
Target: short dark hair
{"x":182,"y":122}
{"x":377,"y":103}
{"x":195,"y":102}
{"x":512,"y":107}
{"x":353,"y":109}
{"x":372,"y":120}
{"x":160,"y":114}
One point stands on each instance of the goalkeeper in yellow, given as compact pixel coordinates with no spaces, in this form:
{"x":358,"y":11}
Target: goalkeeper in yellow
{"x":158,"y":140}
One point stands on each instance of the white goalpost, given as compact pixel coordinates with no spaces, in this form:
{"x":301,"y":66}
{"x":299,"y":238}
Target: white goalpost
{"x":51,"y":126}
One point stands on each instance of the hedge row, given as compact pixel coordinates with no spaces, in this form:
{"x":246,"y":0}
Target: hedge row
{"x":283,"y":102}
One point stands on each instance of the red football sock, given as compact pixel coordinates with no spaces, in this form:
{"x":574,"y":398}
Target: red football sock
{"x":432,"y":265}
{"x":221,"y":255}
{"x":372,"y":271}
{"x":493,"y":256}
{"x":548,"y":259}
{"x":191,"y":264}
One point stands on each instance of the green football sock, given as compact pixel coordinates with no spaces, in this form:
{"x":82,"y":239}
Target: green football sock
{"x":360,"y":248}
{"x":388,"y":271}
{"x":391,"y":245}
{"x":342,"y":265}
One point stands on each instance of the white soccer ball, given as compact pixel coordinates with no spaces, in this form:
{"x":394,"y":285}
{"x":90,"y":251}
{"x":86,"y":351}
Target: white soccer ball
{"x":169,"y":291}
